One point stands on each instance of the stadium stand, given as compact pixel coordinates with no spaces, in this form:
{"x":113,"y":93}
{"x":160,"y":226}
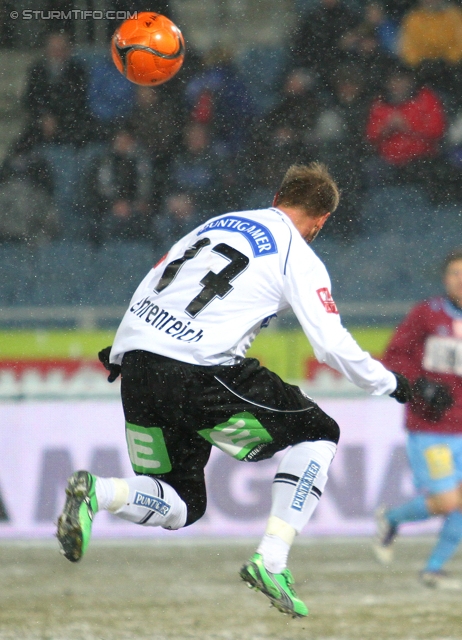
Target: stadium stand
{"x":63,"y":274}
{"x":118,"y":269}
{"x":402,"y":237}
{"x":262,"y":69}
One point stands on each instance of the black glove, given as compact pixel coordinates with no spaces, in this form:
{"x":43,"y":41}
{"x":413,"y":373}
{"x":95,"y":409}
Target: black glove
{"x":114,"y":369}
{"x":433,"y":396}
{"x":403,"y":392}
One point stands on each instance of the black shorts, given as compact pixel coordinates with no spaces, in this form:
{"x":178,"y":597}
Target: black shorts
{"x":176,"y":412}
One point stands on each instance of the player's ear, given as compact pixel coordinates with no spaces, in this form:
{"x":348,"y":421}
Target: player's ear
{"x":275,"y":199}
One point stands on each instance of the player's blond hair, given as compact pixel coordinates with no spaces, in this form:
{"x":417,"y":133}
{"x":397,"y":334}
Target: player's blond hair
{"x":310,"y":187}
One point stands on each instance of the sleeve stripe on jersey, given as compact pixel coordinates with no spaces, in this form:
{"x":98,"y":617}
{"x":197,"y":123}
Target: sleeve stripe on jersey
{"x":288,"y":250}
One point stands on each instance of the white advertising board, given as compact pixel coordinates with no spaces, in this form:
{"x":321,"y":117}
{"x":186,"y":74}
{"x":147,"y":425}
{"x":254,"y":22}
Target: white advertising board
{"x":41,"y":443}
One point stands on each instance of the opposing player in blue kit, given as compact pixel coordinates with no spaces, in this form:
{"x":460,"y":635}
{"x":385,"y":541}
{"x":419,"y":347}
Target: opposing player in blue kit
{"x":187,"y":385}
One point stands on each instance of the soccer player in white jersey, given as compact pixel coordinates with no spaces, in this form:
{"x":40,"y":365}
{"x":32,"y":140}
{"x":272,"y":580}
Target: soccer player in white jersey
{"x":187,"y":385}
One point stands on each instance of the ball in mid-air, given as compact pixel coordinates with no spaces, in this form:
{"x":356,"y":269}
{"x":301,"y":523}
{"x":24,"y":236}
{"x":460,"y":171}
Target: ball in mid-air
{"x":148,"y":49}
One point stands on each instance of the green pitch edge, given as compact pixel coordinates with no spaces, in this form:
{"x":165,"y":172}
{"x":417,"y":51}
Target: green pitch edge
{"x":49,"y":345}
{"x":285,"y":352}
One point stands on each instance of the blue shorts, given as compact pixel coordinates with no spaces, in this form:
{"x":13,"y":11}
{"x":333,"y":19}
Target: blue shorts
{"x":436,"y":461}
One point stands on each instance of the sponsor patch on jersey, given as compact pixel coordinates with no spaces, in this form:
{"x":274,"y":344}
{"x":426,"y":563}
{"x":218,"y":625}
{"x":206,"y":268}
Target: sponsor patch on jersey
{"x":327,"y":300}
{"x":153,"y":503}
{"x":443,"y":355}
{"x":305,"y":486}
{"x":440,"y":461}
{"x":259,"y":237}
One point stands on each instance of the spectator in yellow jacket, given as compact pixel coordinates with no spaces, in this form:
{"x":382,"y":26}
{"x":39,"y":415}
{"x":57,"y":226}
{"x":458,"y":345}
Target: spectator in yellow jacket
{"x":430,"y":41}
{"x":431,"y":31}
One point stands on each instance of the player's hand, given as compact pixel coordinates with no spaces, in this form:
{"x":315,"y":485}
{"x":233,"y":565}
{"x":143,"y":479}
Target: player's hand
{"x":433,"y":395}
{"x":403,"y":392}
{"x":114,"y":369}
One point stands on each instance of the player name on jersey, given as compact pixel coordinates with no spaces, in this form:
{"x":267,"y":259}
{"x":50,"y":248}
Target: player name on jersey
{"x":164,"y":321}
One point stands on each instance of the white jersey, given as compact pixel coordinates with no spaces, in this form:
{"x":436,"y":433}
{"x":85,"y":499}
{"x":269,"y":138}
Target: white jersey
{"x":208,"y":298}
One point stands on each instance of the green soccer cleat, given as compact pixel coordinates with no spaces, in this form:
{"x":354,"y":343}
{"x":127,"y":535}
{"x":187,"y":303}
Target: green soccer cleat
{"x":276,"y":586}
{"x":75,"y":522}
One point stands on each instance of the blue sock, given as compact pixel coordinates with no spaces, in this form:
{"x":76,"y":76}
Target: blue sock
{"x":448,"y":541}
{"x":412,"y":511}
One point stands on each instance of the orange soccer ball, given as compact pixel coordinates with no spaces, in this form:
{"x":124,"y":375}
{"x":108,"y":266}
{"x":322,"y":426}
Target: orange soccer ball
{"x":148,"y":49}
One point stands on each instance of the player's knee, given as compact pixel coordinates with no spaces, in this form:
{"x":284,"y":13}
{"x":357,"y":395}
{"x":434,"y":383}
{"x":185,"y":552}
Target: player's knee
{"x":193,"y":493}
{"x":329,"y":430}
{"x":444,"y":503}
{"x":196,"y":509}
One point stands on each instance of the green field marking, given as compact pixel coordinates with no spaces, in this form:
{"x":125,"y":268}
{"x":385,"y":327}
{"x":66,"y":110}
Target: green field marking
{"x":284,"y":352}
{"x":49,"y":345}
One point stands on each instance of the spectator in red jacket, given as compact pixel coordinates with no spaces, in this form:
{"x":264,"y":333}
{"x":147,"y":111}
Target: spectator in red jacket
{"x":405,"y":128}
{"x":427,"y":349}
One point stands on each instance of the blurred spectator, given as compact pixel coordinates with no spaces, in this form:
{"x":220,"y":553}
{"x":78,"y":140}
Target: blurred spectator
{"x":384,"y":26}
{"x":370,"y":45}
{"x":26,"y":162}
{"x":298,"y":105}
{"x":218,"y":97}
{"x":340,"y":131}
{"x":56,"y":94}
{"x":453,"y":155}
{"x":28,"y":213}
{"x":26,"y":198}
{"x":282,"y":137}
{"x":431,"y":43}
{"x":157,"y":121}
{"x":454,"y":139}
{"x":85,"y":31}
{"x":110,"y":97}
{"x":195,"y":169}
{"x":178,"y":217}
{"x":7,"y":25}
{"x":405,"y":128}
{"x":317,"y":39}
{"x":119,"y":191}
{"x":266,"y":159}
{"x":396,"y":9}
{"x":67,"y":24}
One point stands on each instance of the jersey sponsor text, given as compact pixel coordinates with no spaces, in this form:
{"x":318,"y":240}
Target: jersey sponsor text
{"x":153,"y":503}
{"x":259,"y":237}
{"x":327,"y":300}
{"x":305,"y":485}
{"x":443,"y":355}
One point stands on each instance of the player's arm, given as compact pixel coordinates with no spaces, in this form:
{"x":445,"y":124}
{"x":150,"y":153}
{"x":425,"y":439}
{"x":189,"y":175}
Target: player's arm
{"x":308,"y":292}
{"x":114,"y":369}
